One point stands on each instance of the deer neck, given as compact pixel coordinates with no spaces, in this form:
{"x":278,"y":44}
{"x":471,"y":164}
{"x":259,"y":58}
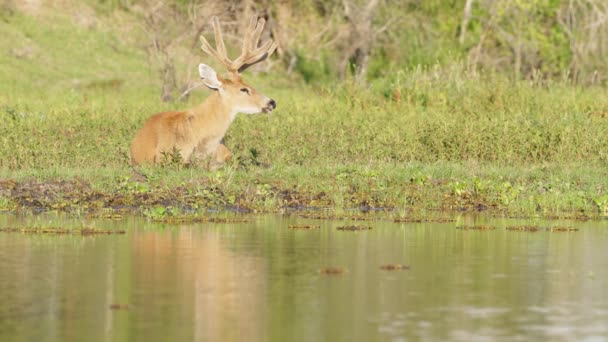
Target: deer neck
{"x":212,"y":118}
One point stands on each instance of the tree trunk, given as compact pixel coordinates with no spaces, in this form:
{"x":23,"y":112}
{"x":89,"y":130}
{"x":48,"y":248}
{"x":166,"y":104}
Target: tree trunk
{"x":468,"y":7}
{"x":360,"y":40}
{"x":169,"y":81}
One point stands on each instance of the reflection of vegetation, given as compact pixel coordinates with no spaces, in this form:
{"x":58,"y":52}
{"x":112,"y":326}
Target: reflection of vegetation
{"x":477,"y":227}
{"x":332,"y":270}
{"x":304,"y":226}
{"x":174,"y":215}
{"x":394,"y":267}
{"x":85,"y":231}
{"x":253,"y":278}
{"x":537,"y":228}
{"x":523,"y":228}
{"x":354,"y":228}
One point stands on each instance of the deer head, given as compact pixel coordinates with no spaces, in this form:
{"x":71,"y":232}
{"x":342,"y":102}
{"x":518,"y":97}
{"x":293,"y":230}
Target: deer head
{"x":243,"y":97}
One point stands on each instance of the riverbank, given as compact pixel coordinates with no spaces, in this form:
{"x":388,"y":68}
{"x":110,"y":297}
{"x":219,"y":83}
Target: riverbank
{"x":420,"y":139}
{"x":399,"y":190}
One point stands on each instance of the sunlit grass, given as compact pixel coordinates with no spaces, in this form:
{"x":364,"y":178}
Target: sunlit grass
{"x":422,"y":138}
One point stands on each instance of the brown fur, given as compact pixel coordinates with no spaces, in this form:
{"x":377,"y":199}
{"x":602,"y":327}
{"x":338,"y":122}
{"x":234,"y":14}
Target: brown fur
{"x":196,"y":133}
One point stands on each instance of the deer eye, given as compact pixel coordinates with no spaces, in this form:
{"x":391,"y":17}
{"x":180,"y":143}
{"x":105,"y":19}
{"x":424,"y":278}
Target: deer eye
{"x":245,"y":90}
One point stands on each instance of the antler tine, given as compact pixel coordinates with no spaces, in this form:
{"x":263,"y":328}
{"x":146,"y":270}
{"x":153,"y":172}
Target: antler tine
{"x":248,"y":35}
{"x":257,"y":32}
{"x":261,"y":53}
{"x":250,"y":53}
{"x":220,"y":51}
{"x":207,"y":47}
{"x":219,"y":39}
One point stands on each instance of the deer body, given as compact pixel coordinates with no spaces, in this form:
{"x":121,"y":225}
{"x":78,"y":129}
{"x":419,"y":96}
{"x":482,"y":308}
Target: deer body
{"x":199,"y":129}
{"x":197,"y":133}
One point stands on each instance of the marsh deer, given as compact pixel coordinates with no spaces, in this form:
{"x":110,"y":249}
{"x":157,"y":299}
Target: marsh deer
{"x":197,"y":133}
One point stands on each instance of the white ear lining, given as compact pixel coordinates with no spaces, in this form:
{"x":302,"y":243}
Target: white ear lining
{"x":209,"y":76}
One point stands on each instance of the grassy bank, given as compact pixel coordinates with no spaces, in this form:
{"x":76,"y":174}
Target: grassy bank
{"x":453,"y":142}
{"x":420,"y":139}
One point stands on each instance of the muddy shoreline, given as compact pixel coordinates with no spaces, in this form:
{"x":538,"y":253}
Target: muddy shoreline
{"x":78,"y":196}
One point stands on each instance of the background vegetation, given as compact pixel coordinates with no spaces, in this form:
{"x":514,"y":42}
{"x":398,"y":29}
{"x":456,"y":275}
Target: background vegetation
{"x":407,"y":104}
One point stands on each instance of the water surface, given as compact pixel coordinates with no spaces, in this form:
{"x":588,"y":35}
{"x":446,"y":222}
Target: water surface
{"x":260,"y":281}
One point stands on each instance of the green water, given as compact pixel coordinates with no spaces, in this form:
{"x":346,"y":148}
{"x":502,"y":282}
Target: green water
{"x":260,"y":281}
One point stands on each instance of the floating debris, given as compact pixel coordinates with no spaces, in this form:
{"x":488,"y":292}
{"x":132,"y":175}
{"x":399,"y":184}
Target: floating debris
{"x":97,"y":231}
{"x":577,"y":217}
{"x":229,"y":220}
{"x":106,"y":216}
{"x":562,"y":229}
{"x":317,"y":216}
{"x":180,"y":219}
{"x":197,"y":219}
{"x":425,"y":219}
{"x":62,"y":231}
{"x":354,"y":228}
{"x":394,"y":267}
{"x":362,"y":218}
{"x":304,"y":226}
{"x":119,"y":306}
{"x":524,"y":228}
{"x":478,"y":227}
{"x":537,"y":228}
{"x":332,"y":270}
{"x":408,"y":220}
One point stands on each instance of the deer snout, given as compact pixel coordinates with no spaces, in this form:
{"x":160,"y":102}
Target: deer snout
{"x":270,"y":106}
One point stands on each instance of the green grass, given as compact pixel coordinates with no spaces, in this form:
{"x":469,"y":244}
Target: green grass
{"x":437,"y":138}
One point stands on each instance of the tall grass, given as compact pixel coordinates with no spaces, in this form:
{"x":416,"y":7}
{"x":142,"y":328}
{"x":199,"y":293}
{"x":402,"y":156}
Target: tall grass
{"x":424,"y":116}
{"x":433,"y":115}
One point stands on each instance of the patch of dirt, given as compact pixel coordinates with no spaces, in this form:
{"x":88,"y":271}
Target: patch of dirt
{"x":38,"y":195}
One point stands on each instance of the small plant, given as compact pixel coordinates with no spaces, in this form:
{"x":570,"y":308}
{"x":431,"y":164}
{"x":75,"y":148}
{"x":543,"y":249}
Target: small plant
{"x":459,"y":189}
{"x":157,"y":212}
{"x":507,"y":192}
{"x":128,"y":185}
{"x":419,"y":179}
{"x":172,"y":159}
{"x":601,"y":202}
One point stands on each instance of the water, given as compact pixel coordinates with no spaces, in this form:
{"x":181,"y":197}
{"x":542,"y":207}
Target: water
{"x":260,"y":281}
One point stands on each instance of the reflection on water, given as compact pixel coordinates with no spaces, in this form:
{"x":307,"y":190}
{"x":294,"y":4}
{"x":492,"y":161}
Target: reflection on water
{"x":260,"y":281}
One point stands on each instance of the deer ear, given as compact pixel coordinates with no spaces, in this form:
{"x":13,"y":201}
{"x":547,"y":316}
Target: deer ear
{"x":209,"y":76}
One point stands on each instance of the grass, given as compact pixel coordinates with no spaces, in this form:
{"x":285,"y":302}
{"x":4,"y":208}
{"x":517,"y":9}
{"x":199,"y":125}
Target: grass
{"x":421,"y":139}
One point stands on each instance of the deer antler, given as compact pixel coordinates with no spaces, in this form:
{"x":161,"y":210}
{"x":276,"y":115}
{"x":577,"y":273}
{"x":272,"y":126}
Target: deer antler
{"x":250,"y":53}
